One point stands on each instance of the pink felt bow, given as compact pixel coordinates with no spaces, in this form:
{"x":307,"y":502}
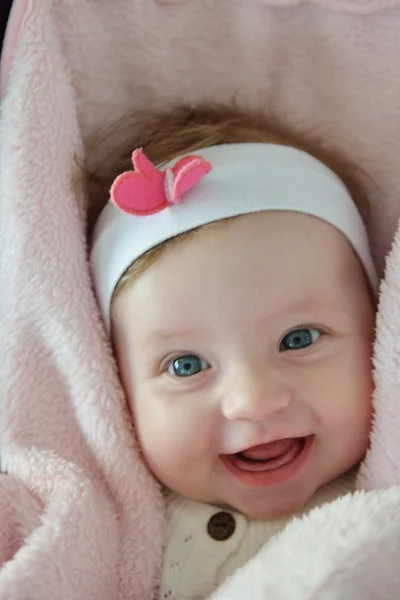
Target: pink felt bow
{"x":148,"y":190}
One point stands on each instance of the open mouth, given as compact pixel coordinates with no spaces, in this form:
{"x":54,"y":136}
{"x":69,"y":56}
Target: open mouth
{"x":269,"y":464}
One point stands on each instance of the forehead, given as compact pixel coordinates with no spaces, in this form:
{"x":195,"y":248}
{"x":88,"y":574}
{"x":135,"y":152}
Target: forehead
{"x":262,"y":261}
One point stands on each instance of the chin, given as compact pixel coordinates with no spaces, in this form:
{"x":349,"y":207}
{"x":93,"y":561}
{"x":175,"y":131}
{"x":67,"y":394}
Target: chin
{"x":269,"y":510}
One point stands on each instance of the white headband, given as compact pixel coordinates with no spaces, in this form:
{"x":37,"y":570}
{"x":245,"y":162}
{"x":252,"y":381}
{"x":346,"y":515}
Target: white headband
{"x":244,"y":178}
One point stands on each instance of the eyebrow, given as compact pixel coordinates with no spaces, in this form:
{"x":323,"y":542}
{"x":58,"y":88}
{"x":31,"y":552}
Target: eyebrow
{"x":309,"y":304}
{"x":159,"y":335}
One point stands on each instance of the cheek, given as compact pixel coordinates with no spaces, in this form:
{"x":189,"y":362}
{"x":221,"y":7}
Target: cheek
{"x":358,"y":378}
{"x":347,"y":404}
{"x":173,"y":435}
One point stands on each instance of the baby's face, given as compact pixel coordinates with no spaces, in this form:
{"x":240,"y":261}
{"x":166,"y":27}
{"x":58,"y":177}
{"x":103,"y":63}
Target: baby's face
{"x":245,"y":353}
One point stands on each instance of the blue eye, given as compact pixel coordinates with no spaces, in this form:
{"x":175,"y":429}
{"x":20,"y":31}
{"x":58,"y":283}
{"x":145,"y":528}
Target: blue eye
{"x":299,"y":339}
{"x":187,"y":365}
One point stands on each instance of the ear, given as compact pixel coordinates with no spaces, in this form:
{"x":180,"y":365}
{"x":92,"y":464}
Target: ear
{"x":143,"y":165}
{"x":140,"y":192}
{"x":187,"y":173}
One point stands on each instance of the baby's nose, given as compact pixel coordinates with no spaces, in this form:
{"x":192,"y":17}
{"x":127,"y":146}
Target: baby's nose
{"x":256,"y":395}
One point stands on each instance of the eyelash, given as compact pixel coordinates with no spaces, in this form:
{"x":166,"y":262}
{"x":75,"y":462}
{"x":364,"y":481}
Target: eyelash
{"x":166,"y":362}
{"x":321,"y":328}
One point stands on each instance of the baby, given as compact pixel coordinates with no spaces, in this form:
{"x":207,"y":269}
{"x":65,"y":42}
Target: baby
{"x":234,"y":277}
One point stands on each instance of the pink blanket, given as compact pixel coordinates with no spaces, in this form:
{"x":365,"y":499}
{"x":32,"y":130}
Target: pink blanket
{"x":80,"y":516}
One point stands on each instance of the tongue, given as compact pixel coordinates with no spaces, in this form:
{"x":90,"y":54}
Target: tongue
{"x":268,"y":451}
{"x":268,"y":457}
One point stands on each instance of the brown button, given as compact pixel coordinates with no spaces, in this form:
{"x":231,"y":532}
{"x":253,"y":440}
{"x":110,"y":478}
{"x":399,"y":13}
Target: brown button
{"x":221,"y":526}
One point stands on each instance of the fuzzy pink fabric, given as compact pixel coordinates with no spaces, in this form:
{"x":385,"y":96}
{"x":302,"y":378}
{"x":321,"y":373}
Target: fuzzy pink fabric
{"x":80,"y":516}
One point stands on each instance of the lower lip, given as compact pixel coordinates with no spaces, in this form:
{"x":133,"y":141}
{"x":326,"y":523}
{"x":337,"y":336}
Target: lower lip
{"x":274,"y":477}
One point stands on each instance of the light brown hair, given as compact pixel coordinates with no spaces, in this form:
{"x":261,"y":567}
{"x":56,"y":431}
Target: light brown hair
{"x":165,"y":135}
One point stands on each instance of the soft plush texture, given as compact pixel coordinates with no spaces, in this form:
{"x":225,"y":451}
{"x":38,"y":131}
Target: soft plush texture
{"x":80,"y":516}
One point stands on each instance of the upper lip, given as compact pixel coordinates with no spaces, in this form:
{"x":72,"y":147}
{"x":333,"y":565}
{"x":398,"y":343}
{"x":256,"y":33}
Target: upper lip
{"x":266,"y":440}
